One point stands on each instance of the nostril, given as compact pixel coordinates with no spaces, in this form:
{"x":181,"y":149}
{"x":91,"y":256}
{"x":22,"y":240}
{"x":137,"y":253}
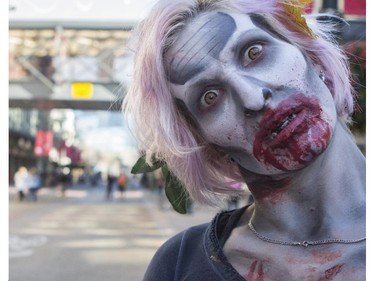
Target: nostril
{"x":267,"y":94}
{"x":249,"y":112}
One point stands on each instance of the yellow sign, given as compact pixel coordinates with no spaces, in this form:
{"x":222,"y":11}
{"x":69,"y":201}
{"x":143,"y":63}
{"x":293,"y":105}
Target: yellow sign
{"x":82,"y":90}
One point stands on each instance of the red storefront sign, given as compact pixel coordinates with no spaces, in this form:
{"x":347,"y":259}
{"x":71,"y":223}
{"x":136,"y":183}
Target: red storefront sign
{"x":355,"y":7}
{"x":48,"y":142}
{"x":39,"y":139}
{"x":43,"y":143}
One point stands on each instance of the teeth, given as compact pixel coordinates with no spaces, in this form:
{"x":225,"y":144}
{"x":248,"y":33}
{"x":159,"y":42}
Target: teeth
{"x":273,"y":135}
{"x":287,"y":121}
{"x":284,"y":123}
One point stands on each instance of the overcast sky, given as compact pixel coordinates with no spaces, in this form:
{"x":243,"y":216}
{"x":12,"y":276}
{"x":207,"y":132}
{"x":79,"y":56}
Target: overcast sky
{"x":114,"y":10}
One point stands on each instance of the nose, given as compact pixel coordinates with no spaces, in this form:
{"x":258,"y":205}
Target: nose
{"x":251,"y":94}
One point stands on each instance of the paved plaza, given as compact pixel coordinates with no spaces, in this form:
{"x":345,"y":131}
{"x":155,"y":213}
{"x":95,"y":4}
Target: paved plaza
{"x":84,"y":237}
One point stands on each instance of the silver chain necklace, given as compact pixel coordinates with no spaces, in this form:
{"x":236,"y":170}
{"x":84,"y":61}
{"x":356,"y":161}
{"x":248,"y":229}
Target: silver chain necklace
{"x":303,"y":243}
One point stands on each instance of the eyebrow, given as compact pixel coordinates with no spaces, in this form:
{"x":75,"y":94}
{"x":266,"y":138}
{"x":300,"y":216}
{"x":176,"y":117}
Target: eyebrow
{"x":182,"y":70}
{"x":264,"y":25}
{"x":192,"y":41}
{"x":249,"y":35}
{"x":221,"y":26}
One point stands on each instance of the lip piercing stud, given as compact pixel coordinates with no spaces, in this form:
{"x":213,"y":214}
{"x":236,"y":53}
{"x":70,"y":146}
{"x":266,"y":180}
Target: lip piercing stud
{"x":273,"y":135}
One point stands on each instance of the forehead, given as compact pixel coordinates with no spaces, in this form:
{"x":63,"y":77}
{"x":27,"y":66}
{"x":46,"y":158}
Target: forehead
{"x":202,"y":40}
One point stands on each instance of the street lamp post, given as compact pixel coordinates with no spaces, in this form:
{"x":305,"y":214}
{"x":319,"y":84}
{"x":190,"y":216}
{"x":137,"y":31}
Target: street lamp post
{"x":44,"y":127}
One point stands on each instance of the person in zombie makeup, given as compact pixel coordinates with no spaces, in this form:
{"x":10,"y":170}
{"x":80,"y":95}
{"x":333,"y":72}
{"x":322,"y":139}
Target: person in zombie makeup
{"x":249,"y":90}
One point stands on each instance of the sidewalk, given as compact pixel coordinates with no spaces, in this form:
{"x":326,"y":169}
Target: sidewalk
{"x":83,"y":236}
{"x":168,"y":221}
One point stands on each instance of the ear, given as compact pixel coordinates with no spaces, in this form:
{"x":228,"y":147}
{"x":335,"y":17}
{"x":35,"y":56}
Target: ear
{"x":319,"y":70}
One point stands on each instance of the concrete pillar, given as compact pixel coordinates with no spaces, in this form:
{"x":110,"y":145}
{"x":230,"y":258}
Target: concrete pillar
{"x":329,"y":4}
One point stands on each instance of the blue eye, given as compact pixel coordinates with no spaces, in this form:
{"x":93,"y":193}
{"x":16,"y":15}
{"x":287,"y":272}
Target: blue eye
{"x":252,"y":53}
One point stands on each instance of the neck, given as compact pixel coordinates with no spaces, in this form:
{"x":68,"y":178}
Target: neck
{"x":325,"y":199}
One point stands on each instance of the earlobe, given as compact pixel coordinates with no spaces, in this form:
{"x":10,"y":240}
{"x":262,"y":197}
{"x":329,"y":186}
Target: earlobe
{"x":322,"y":76}
{"x":320,"y":71}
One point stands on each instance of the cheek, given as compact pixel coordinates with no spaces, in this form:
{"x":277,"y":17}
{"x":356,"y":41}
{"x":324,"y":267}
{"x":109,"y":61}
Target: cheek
{"x":227,"y":130}
{"x":227,"y":134}
{"x":289,"y":71}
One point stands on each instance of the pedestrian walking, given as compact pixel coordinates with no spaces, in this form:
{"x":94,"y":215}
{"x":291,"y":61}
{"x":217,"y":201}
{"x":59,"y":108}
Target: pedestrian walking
{"x":64,"y":180}
{"x":112,"y":175}
{"x":21,"y":182}
{"x":122,"y":184}
{"x":34,"y":183}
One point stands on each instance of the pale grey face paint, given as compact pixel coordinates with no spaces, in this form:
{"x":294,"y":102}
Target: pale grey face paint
{"x":238,"y":81}
{"x":261,"y":22}
{"x":193,"y":54}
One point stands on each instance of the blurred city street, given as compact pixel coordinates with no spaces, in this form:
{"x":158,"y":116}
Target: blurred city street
{"x":70,"y":66}
{"x":82,"y":236}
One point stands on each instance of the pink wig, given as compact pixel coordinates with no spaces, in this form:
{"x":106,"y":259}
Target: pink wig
{"x":162,"y":129}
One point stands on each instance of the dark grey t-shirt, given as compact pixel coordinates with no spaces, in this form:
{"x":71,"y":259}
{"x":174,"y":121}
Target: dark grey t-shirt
{"x":197,"y":253}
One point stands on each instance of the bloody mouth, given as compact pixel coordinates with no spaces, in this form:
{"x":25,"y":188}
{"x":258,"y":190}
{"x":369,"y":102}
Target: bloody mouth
{"x":287,"y":126}
{"x":292,"y":134}
{"x":284,"y":123}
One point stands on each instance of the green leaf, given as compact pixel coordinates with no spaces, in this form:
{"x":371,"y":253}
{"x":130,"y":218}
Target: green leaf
{"x":165,"y":171}
{"x":141,"y":166}
{"x":176,"y":192}
{"x":174,"y":189}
